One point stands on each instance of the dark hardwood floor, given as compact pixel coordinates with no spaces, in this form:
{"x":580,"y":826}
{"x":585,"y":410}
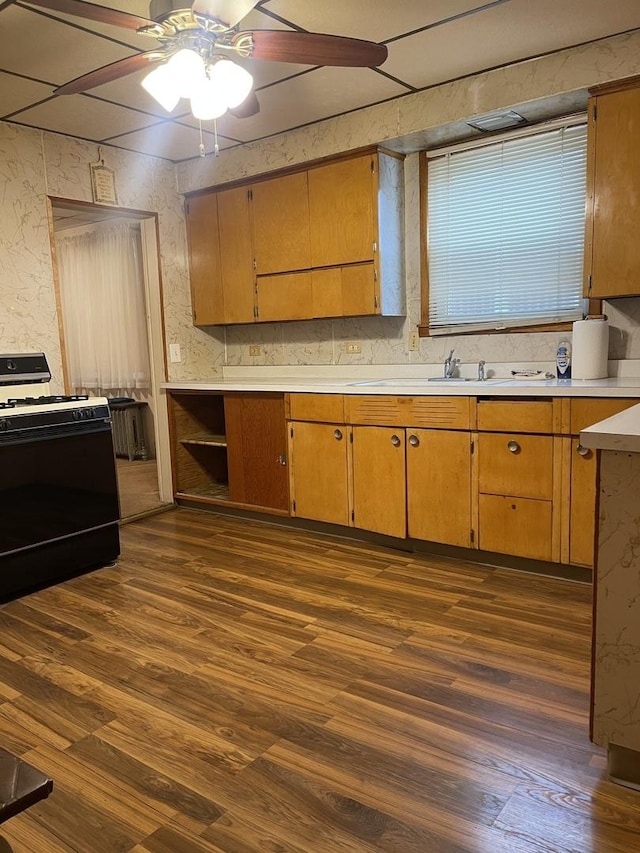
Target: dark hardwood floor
{"x":233,"y":686}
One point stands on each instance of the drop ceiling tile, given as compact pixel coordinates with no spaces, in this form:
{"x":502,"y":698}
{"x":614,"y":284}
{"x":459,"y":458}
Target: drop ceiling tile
{"x":170,"y":140}
{"x":135,"y":7}
{"x":319,"y":94}
{"x":503,"y":34}
{"x":16,"y":93}
{"x":50,"y":51}
{"x":82,"y":116}
{"x":375,"y":20}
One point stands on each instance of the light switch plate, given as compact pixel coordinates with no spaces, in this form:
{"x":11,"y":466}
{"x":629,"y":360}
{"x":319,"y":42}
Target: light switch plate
{"x":175,"y":356}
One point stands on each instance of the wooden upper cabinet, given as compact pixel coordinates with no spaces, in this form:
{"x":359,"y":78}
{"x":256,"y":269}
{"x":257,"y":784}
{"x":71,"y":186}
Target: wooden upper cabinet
{"x":280,"y":219}
{"x":326,"y":241}
{"x":342,"y":206}
{"x":207,"y":300}
{"x":612,"y":250}
{"x":236,"y":255}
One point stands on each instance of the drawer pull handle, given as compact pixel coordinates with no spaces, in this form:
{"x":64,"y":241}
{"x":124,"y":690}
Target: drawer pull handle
{"x":414,"y":441}
{"x":513,"y":446}
{"x":337,"y":434}
{"x":395,"y":440}
{"x":581,"y":450}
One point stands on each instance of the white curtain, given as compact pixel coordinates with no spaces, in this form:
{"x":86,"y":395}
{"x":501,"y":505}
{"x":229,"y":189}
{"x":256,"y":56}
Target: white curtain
{"x":103,"y":306}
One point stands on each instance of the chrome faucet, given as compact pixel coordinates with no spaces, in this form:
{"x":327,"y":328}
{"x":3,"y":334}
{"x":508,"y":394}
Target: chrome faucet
{"x":481,"y":376}
{"x":450,"y":364}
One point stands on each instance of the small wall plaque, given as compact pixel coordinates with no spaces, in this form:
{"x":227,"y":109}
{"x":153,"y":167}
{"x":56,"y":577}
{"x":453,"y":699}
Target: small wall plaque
{"x":103,"y":184}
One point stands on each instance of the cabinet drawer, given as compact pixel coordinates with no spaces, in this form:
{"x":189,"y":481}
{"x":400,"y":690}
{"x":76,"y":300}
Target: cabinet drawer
{"x":435,"y":412}
{"x":515,"y":464}
{"x":325,"y":408}
{"x":518,"y":526}
{"x":586,"y":412}
{"x":516,"y":415}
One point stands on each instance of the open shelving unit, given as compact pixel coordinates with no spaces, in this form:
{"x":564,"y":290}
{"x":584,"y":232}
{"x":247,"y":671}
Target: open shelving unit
{"x":199,"y":446}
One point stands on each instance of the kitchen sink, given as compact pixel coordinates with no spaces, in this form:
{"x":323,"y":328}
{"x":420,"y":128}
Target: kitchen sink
{"x":426,"y":381}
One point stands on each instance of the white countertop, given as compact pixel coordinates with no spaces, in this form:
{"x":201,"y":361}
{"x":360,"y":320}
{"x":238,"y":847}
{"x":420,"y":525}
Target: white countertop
{"x":619,"y":432}
{"x":619,"y":386}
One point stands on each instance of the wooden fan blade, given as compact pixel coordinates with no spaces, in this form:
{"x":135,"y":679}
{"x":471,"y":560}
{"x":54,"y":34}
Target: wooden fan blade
{"x":227,"y":11}
{"x":314,"y":48}
{"x":108,"y":73}
{"x":101,"y":14}
{"x":249,"y":107}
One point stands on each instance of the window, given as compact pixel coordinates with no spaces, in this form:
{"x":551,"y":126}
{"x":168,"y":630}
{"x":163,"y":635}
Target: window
{"x":506,"y":232}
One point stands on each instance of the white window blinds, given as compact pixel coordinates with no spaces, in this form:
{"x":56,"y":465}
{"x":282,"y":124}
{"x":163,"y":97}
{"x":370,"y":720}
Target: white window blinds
{"x":506,"y":232}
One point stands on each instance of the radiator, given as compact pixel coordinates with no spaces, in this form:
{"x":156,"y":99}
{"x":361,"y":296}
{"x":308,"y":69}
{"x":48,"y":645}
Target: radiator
{"x":128,"y":420}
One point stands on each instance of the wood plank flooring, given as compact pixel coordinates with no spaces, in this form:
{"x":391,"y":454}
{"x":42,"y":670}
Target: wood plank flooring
{"x":235,"y":686}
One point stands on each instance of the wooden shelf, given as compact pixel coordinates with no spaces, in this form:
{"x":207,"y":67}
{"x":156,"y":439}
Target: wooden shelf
{"x":214,"y":492}
{"x":205,"y":439}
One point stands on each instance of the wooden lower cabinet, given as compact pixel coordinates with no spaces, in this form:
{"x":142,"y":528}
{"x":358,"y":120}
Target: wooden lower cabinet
{"x":319,"y":471}
{"x":257,"y":449}
{"x":379,"y":482}
{"x":517,"y":484}
{"x":522,"y":527}
{"x":583,"y":505}
{"x":439,"y":486}
{"x":230,"y":448}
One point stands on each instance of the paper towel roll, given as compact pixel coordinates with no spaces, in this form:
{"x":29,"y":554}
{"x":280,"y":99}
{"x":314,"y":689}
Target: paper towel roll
{"x":590,"y":349}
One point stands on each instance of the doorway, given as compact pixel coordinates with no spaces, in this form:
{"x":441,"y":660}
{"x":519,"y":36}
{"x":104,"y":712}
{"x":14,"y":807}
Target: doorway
{"x":140,"y":426}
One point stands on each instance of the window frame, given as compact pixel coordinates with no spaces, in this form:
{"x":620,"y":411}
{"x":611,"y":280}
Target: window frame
{"x":592,"y":306}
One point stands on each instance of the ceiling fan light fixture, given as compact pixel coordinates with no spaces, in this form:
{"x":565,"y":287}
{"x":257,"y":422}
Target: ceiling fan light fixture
{"x":188,"y":70}
{"x":233,"y":80}
{"x":161,"y":85}
{"x":208,"y":100}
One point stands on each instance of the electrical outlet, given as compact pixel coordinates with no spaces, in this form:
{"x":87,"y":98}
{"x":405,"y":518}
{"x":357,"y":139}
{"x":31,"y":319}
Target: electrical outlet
{"x":353,"y":347}
{"x":255,"y":350}
{"x":414,"y":342}
{"x":175,"y":356}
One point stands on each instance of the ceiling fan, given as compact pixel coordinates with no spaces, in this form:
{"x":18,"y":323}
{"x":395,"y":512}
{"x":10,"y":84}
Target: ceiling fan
{"x":209,"y":30}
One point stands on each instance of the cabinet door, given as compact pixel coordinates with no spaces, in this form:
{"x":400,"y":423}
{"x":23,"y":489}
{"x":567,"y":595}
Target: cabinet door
{"x":236,"y":255}
{"x":516,"y":464}
{"x":204,"y":260}
{"x":345,"y":291}
{"x":256,"y":449}
{"x":518,"y":526}
{"x":280,"y":218}
{"x":342,"y":206}
{"x":614,"y":195}
{"x":582,"y":511}
{"x":286,"y":296}
{"x":439,"y":486}
{"x":319,"y":465}
{"x":379,"y":485}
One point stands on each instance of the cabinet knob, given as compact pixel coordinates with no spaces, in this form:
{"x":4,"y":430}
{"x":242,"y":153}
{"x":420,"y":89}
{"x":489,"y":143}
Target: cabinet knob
{"x":414,"y":441}
{"x":337,"y":434}
{"x":513,"y":446}
{"x":581,"y":450}
{"x":281,"y":459}
{"x":395,"y":440}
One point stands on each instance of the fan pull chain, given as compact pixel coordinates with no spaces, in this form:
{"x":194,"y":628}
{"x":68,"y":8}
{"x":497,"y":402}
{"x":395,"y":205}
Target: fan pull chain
{"x":201,"y":146}
{"x":216,"y":147}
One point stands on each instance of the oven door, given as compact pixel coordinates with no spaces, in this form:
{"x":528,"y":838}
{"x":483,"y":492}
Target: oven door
{"x":59,"y":505}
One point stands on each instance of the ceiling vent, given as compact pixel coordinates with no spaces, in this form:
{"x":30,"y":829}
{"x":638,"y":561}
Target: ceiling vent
{"x":497,"y":121}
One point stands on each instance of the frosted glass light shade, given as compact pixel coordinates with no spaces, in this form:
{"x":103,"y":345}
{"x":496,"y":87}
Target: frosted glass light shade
{"x":208,"y":100}
{"x":188,"y":69}
{"x":160,"y":84}
{"x":233,"y":80}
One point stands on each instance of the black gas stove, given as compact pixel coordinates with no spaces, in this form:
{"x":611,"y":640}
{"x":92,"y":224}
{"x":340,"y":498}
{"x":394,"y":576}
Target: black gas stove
{"x":58,"y":490}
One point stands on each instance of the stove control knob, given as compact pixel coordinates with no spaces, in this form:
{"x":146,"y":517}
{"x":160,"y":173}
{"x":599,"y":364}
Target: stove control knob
{"x":5,"y":423}
{"x":89,"y":413}
{"x":76,"y":414}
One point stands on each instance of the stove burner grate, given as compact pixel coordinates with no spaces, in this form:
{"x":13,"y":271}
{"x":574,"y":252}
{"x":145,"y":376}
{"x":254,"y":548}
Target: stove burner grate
{"x":43,"y":401}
